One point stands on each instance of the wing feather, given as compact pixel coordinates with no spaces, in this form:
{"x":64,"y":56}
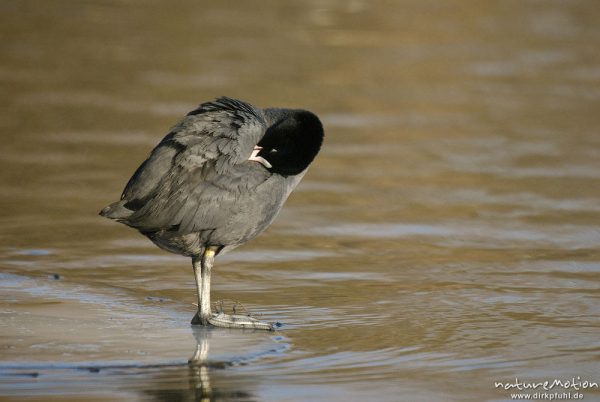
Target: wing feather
{"x":192,"y":179}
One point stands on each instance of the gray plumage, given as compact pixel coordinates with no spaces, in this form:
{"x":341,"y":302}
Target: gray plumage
{"x":198,"y":187}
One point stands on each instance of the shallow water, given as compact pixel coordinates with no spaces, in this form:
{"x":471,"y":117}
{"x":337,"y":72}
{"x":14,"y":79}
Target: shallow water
{"x":446,"y":238}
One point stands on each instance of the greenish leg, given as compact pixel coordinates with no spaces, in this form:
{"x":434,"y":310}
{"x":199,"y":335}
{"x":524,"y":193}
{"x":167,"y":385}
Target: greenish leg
{"x":202,"y":270}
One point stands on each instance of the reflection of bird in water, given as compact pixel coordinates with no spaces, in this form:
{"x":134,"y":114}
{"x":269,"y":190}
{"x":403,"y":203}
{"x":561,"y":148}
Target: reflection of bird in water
{"x":217,"y":180}
{"x":211,"y":370}
{"x":199,"y":370}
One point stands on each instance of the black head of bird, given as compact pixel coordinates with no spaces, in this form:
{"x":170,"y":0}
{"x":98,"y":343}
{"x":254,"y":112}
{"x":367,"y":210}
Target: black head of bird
{"x":291,"y":143}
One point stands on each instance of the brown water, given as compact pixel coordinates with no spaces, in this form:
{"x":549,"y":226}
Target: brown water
{"x":446,"y":237}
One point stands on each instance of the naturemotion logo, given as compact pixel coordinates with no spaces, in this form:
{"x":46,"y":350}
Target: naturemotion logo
{"x":554,"y":389}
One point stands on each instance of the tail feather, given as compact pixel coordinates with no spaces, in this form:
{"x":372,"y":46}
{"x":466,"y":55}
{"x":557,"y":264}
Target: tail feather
{"x":116,"y":211}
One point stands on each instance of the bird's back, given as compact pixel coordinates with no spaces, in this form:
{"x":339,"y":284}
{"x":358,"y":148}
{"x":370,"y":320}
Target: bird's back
{"x":201,"y":185}
{"x":197,"y":183}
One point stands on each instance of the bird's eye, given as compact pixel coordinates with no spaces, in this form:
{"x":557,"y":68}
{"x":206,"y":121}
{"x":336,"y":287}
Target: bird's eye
{"x":273,"y":151}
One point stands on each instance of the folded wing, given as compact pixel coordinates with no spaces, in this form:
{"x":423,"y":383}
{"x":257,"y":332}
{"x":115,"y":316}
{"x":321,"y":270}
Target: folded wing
{"x":200,"y":166}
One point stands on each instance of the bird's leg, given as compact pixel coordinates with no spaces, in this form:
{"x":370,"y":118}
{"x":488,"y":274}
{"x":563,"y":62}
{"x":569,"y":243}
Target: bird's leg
{"x":208,"y":259}
{"x":196,"y":265}
{"x":202,"y":269}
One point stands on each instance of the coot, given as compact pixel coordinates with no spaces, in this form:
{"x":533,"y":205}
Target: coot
{"x":217,"y":180}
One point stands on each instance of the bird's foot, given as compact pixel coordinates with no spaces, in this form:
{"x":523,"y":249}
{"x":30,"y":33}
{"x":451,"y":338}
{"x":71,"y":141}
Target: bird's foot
{"x":233,"y":321}
{"x":239,"y":321}
{"x":245,"y":320}
{"x":198,"y":320}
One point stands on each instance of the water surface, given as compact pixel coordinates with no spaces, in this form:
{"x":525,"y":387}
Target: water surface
{"x":446,"y":237}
